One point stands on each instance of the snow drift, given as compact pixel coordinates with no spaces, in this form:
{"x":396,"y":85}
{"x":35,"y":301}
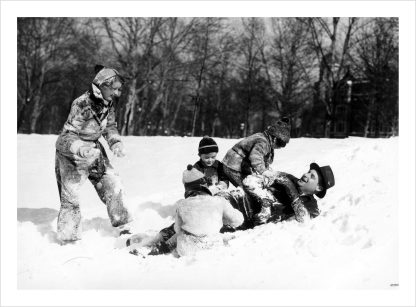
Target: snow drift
{"x":353,"y":244}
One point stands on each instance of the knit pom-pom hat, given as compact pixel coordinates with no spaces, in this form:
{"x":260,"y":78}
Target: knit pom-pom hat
{"x":191,"y":174}
{"x":207,"y":145}
{"x":194,"y":181}
{"x":280,"y":130}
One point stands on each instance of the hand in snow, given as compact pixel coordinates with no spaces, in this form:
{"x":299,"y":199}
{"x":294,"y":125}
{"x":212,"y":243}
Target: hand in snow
{"x":118,"y":150}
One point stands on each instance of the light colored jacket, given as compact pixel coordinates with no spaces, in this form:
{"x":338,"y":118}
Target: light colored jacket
{"x":198,"y":221}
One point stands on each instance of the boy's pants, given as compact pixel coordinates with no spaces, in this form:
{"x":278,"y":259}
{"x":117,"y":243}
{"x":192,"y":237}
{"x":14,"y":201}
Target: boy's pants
{"x":70,"y":177}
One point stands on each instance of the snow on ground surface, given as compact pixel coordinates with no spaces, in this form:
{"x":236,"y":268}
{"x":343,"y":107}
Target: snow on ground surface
{"x":353,"y":244}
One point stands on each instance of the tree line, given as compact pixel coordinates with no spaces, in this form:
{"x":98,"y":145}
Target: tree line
{"x":226,"y":77}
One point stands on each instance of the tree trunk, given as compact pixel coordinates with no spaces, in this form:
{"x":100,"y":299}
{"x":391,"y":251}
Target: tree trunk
{"x":368,"y":120}
{"x":128,"y":121}
{"x":37,"y":110}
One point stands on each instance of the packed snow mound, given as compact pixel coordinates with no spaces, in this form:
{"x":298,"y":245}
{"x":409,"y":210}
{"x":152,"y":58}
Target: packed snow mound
{"x":353,"y":244}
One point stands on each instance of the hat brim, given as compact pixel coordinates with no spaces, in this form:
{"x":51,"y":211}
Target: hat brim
{"x":317,"y":168}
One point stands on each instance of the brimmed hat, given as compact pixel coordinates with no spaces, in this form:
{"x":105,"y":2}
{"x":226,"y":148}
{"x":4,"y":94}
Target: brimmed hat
{"x":281,"y":131}
{"x":194,"y":180}
{"x":326,"y":176}
{"x":207,"y":145}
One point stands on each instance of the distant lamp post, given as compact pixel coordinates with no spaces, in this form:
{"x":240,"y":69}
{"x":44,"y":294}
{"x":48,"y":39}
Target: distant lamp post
{"x":349,"y":83}
{"x":242,"y":127}
{"x":348,"y":108}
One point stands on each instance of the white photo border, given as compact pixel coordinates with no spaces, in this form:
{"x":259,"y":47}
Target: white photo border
{"x":402,"y":295}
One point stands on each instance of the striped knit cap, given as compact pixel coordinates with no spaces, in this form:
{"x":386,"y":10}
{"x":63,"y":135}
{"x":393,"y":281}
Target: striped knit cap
{"x":207,"y":145}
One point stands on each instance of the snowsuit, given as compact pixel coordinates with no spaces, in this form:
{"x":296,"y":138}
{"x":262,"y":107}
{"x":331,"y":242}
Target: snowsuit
{"x":253,"y":154}
{"x":214,"y":175}
{"x":198,"y":221}
{"x":89,"y":119}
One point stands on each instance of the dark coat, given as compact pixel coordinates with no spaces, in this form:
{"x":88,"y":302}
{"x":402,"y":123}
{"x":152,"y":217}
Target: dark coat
{"x":254,"y":153}
{"x":213,"y":174}
{"x":284,"y":209}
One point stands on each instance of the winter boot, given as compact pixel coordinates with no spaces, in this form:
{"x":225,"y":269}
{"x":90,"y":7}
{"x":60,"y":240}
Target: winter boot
{"x":124,"y":229}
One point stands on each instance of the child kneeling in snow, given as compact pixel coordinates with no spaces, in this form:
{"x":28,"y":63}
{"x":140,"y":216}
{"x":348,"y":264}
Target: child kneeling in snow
{"x":208,"y":164}
{"x":198,"y":220}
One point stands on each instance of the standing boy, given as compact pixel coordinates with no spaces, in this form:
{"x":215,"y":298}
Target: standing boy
{"x":80,"y":156}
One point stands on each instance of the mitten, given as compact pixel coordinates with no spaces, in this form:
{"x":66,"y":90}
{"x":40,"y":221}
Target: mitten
{"x":89,"y":152}
{"x":118,"y":149}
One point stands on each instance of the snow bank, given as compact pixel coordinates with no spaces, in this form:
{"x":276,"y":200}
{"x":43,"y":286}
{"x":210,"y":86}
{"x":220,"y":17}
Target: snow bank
{"x":353,"y":244}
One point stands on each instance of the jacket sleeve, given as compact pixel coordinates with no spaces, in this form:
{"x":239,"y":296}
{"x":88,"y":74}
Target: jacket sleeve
{"x":301,"y":213}
{"x":257,"y":154}
{"x":231,"y":216}
{"x":68,"y":143}
{"x":178,"y":222}
{"x":223,"y":180}
{"x":110,"y":132}
{"x":297,"y":203}
{"x":286,"y":180}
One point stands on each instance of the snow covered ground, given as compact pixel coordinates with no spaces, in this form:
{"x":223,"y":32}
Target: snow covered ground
{"x":353,"y":244}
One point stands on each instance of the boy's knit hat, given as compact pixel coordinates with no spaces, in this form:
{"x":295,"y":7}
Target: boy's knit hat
{"x":207,"y":145}
{"x":194,"y":180}
{"x":280,"y":131}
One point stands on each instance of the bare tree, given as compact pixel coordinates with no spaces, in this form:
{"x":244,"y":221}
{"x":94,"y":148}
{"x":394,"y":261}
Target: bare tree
{"x":42,"y":46}
{"x":253,"y":32}
{"x":377,"y":60}
{"x":291,"y":66}
{"x":133,"y":41}
{"x":332,"y":59}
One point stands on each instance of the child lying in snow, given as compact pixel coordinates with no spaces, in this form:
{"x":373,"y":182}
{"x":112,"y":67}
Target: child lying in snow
{"x":292,"y":197}
{"x":198,"y":220}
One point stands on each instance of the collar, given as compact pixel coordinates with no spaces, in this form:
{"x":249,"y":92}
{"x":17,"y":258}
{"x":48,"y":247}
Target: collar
{"x":202,"y":165}
{"x":96,"y":92}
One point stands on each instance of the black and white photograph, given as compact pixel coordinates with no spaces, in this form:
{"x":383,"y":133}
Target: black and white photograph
{"x":234,"y":153}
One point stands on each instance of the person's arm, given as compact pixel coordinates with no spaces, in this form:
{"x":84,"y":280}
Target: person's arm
{"x":178,"y":222}
{"x":286,"y":180}
{"x":69,"y":143}
{"x":231,"y":216}
{"x":110,"y":133}
{"x":257,"y":154}
{"x":223,"y":180}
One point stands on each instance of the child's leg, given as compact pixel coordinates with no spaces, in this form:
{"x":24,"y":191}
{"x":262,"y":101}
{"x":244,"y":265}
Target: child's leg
{"x":69,"y":178}
{"x":254,"y":186}
{"x":109,"y":188}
